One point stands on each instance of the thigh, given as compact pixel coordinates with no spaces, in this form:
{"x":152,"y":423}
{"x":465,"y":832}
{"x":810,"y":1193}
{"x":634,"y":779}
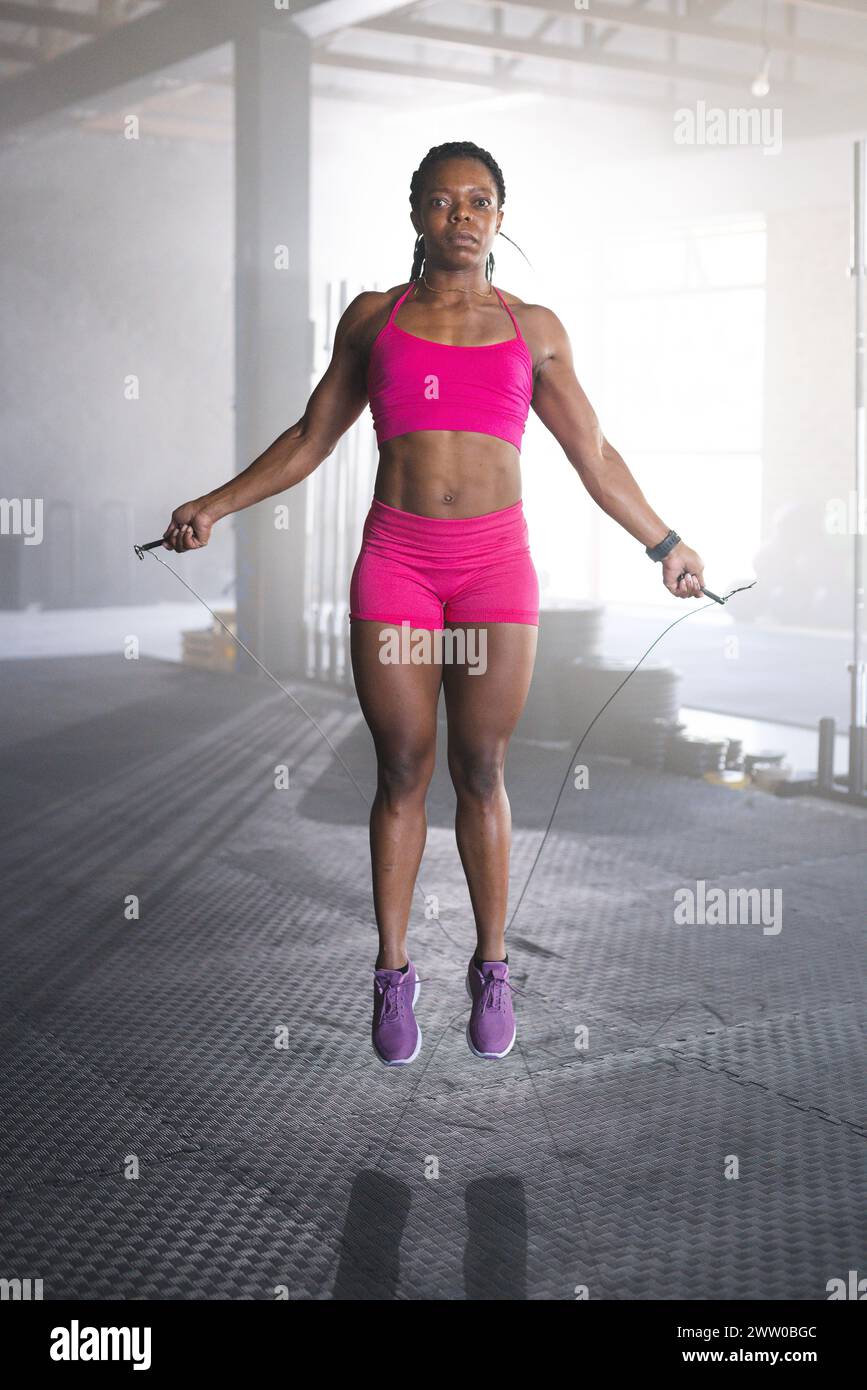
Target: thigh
{"x":483,"y":708}
{"x":398,"y":698}
{"x":387,"y":588}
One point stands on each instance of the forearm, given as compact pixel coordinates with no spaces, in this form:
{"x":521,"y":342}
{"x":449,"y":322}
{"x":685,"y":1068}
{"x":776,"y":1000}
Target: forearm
{"x":293,"y":455}
{"x":613,"y":488}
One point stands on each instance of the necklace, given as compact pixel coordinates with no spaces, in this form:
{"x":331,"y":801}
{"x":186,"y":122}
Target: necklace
{"x":434,"y":290}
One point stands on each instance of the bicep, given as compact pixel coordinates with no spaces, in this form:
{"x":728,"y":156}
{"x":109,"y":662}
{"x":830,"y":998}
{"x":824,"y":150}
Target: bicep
{"x":558,"y":397}
{"x":341,"y":393}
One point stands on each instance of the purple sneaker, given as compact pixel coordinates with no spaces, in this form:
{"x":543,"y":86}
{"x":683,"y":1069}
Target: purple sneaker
{"x":396,"y":1035}
{"x":491,"y":1029}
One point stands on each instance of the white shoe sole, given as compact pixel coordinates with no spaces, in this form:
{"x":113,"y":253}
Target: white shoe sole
{"x":487,"y":1056}
{"x":405,"y":1061}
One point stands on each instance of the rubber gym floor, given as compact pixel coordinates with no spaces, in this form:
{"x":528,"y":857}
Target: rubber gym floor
{"x":192,"y":1106}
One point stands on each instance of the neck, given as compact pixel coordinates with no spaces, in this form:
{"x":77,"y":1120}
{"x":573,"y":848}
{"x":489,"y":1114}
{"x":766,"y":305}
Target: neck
{"x":463,"y":280}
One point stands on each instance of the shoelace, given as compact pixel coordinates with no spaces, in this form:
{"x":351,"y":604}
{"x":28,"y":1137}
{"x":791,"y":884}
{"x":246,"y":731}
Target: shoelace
{"x":391,"y":996}
{"x":492,"y":995}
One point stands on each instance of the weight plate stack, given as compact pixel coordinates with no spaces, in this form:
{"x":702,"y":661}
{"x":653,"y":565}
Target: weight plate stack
{"x":565,"y":632}
{"x":631,"y":725}
{"x":645,"y":742}
{"x":693,"y":757}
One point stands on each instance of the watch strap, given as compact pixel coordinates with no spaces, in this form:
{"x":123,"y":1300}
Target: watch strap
{"x":659,"y":552}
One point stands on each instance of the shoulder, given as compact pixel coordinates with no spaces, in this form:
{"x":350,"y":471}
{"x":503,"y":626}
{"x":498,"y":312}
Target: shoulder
{"x":371,"y":302}
{"x":367,"y":313}
{"x":537,"y":316}
{"x":544,"y":332}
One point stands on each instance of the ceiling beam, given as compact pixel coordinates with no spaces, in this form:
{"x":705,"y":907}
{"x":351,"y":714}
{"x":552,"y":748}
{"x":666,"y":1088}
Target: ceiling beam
{"x":657,"y":21}
{"x":543,"y":87}
{"x":130,"y":54}
{"x":803,"y":120}
{"x":485,"y":41}
{"x":850,"y":9}
{"x":41,"y":17}
{"x":613,"y":30}
{"x":707,"y":8}
{"x":319,"y":18}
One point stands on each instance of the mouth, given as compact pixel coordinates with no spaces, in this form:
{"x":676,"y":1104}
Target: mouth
{"x":462,"y":239}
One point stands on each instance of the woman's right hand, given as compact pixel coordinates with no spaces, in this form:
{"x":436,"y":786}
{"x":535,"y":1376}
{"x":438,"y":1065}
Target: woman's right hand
{"x":189,"y":528}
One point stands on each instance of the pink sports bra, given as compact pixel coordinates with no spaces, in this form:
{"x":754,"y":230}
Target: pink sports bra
{"x":416,"y":384}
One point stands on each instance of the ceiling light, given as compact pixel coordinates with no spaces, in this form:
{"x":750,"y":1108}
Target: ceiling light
{"x":761,"y":83}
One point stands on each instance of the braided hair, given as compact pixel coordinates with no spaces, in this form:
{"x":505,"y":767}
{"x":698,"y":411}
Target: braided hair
{"x":454,"y":149}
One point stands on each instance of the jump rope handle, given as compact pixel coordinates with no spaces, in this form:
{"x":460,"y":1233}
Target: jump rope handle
{"x":152,"y":545}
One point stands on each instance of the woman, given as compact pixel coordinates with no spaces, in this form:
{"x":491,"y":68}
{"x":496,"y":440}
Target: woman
{"x":445,"y":545}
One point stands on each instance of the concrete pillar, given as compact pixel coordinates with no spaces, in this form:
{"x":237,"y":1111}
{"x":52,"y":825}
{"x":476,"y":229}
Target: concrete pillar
{"x":273,"y":331}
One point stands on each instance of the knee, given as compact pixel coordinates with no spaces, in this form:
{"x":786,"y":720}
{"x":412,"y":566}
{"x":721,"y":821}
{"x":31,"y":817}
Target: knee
{"x":405,"y":775}
{"x":477,"y":775}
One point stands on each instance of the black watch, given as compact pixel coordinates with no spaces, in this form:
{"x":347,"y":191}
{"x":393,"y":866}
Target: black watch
{"x":659,"y":552}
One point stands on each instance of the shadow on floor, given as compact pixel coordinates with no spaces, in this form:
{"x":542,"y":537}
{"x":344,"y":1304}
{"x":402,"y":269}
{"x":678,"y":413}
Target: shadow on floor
{"x":495,"y":1254}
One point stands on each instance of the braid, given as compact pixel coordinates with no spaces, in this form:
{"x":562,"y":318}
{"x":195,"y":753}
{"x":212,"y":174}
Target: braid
{"x":459,"y":149}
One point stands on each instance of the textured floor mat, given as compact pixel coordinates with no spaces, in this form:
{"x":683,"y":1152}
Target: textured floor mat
{"x":192,"y":1108}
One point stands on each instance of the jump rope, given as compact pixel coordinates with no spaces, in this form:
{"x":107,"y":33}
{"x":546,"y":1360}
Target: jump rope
{"x":716,"y":599}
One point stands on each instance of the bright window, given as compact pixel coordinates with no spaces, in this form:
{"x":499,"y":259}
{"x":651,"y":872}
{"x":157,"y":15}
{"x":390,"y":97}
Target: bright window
{"x":670,"y":350}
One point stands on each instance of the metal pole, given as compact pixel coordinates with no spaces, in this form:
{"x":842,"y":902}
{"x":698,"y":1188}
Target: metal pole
{"x":825,"y":762}
{"x":858,"y":719}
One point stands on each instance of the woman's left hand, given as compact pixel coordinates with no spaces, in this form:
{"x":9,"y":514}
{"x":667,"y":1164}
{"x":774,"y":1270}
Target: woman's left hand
{"x":683,"y":572}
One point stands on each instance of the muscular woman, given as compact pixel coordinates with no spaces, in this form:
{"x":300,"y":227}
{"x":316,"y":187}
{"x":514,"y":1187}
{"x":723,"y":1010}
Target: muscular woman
{"x":450,"y":367}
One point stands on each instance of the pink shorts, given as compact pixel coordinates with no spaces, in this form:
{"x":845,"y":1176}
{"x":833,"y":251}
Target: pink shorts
{"x":431,"y":570}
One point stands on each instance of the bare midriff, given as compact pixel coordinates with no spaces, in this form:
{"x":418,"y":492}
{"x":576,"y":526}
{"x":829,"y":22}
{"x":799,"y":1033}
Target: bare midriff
{"x":448,"y":473}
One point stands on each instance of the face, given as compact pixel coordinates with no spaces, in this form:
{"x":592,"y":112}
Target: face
{"x":457,"y":211}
